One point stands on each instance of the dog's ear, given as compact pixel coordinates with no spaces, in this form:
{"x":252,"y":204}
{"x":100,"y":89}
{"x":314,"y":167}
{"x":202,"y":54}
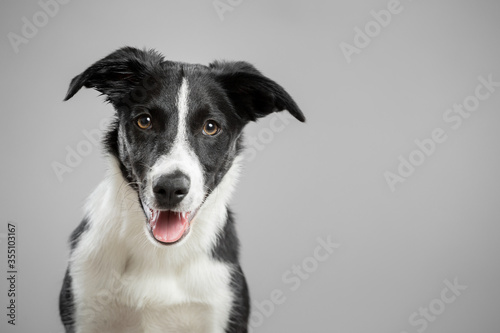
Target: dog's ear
{"x":117,"y":74}
{"x":253,"y":95}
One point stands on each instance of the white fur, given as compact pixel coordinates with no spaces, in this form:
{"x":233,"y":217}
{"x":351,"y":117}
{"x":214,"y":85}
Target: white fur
{"x":123,"y":281}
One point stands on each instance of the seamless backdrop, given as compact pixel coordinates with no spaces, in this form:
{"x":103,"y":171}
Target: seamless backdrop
{"x":396,"y":167}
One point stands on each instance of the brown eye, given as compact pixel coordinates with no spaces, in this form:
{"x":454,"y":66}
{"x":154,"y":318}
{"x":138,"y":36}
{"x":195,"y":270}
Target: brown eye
{"x":211,"y":128}
{"x":144,"y":121}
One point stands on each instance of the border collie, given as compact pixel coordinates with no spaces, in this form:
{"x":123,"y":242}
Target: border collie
{"x":157,"y":250}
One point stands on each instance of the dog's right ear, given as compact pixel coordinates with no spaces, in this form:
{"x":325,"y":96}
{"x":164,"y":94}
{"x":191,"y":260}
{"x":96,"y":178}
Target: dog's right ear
{"x":117,"y":74}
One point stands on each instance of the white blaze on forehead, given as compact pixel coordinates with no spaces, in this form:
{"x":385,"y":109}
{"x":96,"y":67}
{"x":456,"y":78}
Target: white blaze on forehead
{"x":182,"y":107}
{"x":181,"y":157}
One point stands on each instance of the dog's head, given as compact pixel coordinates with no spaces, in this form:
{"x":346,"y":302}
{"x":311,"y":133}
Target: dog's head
{"x":178,"y":127}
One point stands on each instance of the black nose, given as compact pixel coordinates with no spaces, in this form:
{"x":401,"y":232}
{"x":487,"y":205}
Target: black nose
{"x":170,"y":189}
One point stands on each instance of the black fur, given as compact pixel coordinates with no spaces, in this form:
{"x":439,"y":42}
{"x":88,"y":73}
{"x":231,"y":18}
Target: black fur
{"x":238,"y":322}
{"x":227,"y":250}
{"x":253,"y":95}
{"x":140,"y":82}
{"x":66,"y":300}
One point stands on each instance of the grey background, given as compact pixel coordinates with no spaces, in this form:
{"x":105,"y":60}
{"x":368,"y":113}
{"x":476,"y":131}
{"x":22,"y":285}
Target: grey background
{"x":323,"y":178}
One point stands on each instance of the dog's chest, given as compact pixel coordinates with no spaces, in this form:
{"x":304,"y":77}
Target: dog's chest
{"x":196,"y":281}
{"x":195,"y":297}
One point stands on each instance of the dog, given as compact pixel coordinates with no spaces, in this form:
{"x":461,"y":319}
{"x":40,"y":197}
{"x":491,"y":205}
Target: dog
{"x":157,"y":250}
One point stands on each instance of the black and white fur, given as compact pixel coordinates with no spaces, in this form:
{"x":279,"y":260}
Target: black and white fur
{"x":119,"y":277}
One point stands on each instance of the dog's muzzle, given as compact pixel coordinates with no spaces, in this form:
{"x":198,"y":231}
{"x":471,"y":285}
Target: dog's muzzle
{"x":167,"y":221}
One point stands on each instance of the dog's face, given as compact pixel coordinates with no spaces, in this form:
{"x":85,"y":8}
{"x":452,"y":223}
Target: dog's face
{"x":178,"y":127}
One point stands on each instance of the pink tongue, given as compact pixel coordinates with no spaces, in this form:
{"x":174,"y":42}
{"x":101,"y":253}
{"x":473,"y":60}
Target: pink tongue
{"x":168,"y":226}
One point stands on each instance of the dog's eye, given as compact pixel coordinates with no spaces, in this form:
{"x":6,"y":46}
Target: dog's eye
{"x":211,"y":128}
{"x":144,"y":121}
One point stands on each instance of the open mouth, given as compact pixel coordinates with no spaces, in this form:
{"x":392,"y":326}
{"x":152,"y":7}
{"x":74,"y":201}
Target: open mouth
{"x":167,"y":226}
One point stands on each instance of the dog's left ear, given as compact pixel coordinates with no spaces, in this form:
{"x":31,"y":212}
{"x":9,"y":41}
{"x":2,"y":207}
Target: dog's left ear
{"x":253,"y":95}
{"x":117,"y":74}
